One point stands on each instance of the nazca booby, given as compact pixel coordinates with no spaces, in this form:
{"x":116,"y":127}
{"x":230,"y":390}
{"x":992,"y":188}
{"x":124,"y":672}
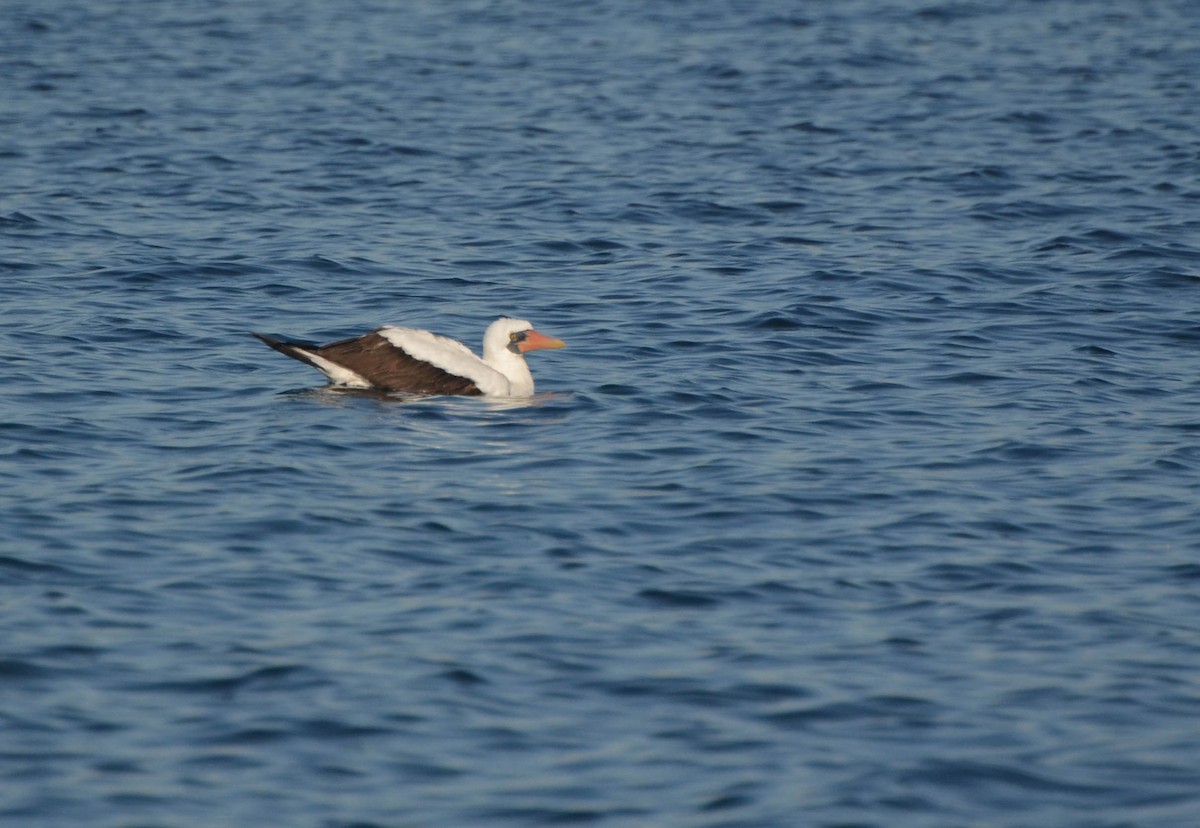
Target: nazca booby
{"x":421,"y":362}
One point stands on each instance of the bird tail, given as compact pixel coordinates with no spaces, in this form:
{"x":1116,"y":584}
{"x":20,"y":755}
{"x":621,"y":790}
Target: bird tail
{"x":302,"y":351}
{"x":310,"y":353}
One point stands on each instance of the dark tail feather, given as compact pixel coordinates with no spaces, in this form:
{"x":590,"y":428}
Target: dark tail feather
{"x":296,"y":350}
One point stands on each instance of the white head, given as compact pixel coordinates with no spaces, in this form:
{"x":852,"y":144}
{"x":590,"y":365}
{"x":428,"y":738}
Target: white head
{"x":516,"y":336}
{"x":505,"y":344}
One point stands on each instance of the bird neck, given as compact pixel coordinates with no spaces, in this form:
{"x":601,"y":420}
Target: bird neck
{"x":513,"y":366}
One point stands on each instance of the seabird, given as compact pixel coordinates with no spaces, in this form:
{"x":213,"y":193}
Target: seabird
{"x":421,"y":362}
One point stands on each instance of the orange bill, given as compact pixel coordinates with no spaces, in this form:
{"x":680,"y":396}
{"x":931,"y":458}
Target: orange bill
{"x":535,"y":341}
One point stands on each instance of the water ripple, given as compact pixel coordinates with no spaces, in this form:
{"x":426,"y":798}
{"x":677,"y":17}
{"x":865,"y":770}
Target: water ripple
{"x":868,"y":473}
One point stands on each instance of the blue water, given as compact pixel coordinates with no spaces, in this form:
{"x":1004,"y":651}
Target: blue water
{"x":865,"y":493}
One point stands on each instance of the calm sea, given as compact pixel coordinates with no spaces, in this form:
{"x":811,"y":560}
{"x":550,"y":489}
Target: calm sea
{"x":866,"y":493}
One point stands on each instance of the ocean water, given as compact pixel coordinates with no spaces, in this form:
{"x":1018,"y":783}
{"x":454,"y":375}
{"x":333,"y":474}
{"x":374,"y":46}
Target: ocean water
{"x":865,"y":493}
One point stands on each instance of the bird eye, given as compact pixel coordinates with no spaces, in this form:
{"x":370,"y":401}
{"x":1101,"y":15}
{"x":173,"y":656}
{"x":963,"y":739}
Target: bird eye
{"x":513,"y":337}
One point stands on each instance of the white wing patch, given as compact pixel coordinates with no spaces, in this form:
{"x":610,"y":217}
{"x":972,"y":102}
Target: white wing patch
{"x":338,"y":374}
{"x":450,"y":355}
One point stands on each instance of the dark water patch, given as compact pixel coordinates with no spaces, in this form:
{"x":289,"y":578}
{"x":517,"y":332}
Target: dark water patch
{"x":16,"y":220}
{"x":724,"y":803}
{"x":708,"y":211}
{"x":20,"y":566}
{"x":969,"y":378}
{"x":1094,"y":350}
{"x":880,"y":712}
{"x":592,"y":245}
{"x":776,"y":321}
{"x":1186,"y":572}
{"x":328,"y":729}
{"x":1025,"y":209}
{"x":482,"y":264}
{"x":278,"y":678}
{"x":797,"y":240}
{"x":68,"y":652}
{"x":17,"y":266}
{"x":250,"y":737}
{"x":996,"y":782}
{"x":105,"y":113}
{"x":1153,"y":251}
{"x":12,"y":669}
{"x":462,"y":677}
{"x":678,"y":598}
{"x":970,"y":577}
{"x":781,"y":206}
{"x":533,"y":815}
{"x":617,"y":390}
{"x":415,"y":152}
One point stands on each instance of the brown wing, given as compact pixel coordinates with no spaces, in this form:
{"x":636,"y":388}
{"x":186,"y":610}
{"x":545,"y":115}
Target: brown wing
{"x":380,"y":363}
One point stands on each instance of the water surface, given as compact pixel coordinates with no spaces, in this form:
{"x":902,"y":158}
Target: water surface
{"x":864,"y":494}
